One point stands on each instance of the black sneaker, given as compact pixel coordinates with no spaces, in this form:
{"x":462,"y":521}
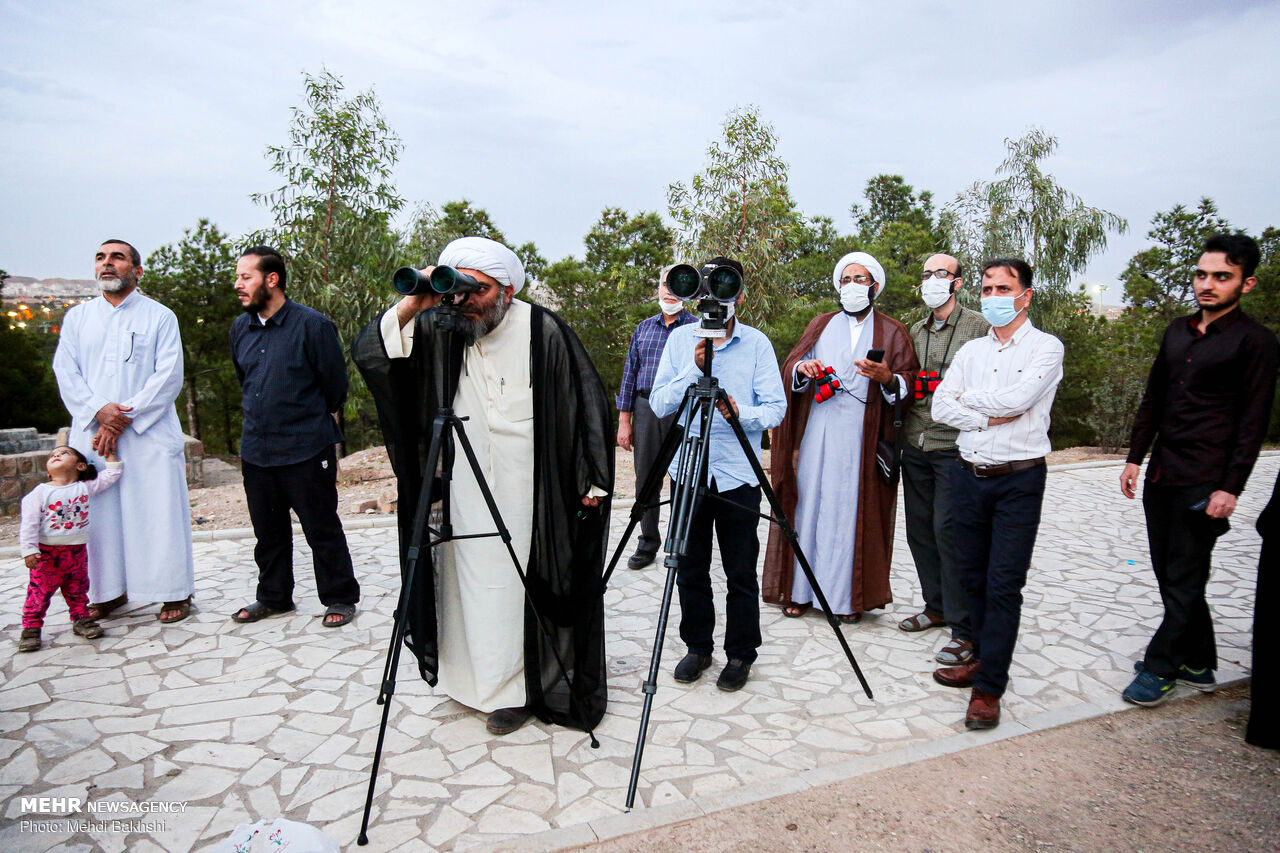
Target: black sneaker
{"x":691,"y":666}
{"x":734,"y":675}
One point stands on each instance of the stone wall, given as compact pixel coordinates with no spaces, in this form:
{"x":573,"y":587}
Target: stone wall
{"x":21,"y":472}
{"x":25,"y":439}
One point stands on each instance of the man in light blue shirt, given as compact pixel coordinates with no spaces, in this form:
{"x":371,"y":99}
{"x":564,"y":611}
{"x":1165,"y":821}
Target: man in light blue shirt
{"x":747,"y":368}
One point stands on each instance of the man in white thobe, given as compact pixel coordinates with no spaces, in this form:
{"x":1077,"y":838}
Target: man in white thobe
{"x":119,"y":370}
{"x":482,"y":636}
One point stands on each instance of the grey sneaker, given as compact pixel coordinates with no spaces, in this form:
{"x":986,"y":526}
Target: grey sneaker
{"x":30,"y":640}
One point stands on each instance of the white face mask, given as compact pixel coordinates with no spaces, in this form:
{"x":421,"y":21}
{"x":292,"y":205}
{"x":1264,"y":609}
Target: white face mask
{"x":855,"y":298}
{"x":670,"y":308}
{"x":935,"y":292}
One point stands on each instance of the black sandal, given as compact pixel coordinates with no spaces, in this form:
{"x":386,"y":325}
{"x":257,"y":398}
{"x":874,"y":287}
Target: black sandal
{"x":346,"y":611}
{"x":254,"y":612}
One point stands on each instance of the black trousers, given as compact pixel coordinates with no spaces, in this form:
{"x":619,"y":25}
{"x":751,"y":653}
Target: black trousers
{"x":1181,"y":546}
{"x":926,"y":494}
{"x":995,"y":524}
{"x":1264,"y":699}
{"x":310,"y":489}
{"x":735,"y":527}
{"x":647,"y":433}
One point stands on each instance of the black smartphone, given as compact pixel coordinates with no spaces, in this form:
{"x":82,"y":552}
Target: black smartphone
{"x":875,"y":355}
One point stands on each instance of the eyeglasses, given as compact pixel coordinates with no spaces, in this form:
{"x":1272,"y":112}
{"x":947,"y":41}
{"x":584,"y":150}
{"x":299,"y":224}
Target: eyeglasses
{"x":857,"y":279}
{"x":927,"y":274}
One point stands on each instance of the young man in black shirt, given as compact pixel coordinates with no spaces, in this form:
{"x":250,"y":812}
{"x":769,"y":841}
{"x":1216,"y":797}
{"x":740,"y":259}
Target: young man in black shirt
{"x":292,"y":377}
{"x":1206,"y":408}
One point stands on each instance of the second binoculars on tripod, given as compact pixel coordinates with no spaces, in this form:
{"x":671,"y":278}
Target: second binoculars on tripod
{"x":442,"y":281}
{"x":714,"y":281}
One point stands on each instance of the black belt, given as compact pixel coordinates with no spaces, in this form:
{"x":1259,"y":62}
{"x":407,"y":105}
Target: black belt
{"x":1003,"y":468}
{"x":644,"y":394}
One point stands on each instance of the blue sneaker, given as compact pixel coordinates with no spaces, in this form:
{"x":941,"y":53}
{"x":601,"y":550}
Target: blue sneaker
{"x":1197,"y":679}
{"x":1148,"y":689}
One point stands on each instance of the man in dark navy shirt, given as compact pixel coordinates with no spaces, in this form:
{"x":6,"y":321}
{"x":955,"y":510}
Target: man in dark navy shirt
{"x":639,"y":429}
{"x":1206,"y":409}
{"x":292,"y":377}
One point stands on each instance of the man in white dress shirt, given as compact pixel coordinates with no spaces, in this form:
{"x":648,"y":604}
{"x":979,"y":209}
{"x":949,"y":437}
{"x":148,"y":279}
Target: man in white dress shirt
{"x":119,"y":369}
{"x":998,"y":394}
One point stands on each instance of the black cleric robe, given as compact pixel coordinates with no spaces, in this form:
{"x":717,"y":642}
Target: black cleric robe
{"x":573,"y":451}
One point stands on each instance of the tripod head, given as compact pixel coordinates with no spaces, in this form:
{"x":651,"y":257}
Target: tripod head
{"x":451,"y":336}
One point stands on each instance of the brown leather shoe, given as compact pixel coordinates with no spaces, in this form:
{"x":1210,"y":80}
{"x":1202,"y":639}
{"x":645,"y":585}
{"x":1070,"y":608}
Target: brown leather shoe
{"x":957,"y":676}
{"x":984,"y":710}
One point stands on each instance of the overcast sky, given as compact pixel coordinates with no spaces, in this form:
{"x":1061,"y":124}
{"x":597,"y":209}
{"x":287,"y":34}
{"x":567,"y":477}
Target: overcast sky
{"x":134,"y":119}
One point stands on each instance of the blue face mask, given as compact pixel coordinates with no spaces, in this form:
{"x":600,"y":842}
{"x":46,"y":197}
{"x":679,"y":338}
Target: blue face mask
{"x":1000,"y":310}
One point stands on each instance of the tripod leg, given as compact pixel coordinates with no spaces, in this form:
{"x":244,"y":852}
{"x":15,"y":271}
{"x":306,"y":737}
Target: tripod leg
{"x":650,"y":490}
{"x":400,"y":626}
{"x":692,"y":456}
{"x":784,"y":523}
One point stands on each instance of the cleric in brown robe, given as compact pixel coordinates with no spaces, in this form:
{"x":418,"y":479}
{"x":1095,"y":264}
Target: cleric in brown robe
{"x":824,"y":466}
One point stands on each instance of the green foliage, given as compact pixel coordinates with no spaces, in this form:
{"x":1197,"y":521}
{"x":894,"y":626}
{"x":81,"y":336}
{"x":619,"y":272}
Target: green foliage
{"x":1028,"y":214}
{"x":333,"y":217}
{"x":603,"y":297}
{"x":1125,"y":352}
{"x":1158,"y":280}
{"x":433,"y":229}
{"x":195,"y":278}
{"x":28,"y":390}
{"x":899,"y":229}
{"x":740,"y":206}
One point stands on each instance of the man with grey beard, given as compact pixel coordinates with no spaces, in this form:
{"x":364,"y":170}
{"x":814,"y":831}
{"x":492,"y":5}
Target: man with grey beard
{"x":540,"y":425}
{"x":119,"y":369}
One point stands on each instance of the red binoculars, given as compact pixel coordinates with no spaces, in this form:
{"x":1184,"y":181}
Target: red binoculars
{"x":828,"y":385}
{"x":926,"y":383}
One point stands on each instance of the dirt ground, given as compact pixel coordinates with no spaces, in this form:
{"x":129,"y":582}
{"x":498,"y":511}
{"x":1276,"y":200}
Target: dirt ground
{"x":365,"y":476}
{"x":1176,"y":777}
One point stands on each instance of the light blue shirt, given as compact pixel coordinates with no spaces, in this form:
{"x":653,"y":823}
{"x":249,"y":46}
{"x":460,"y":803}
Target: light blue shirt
{"x":745,"y":367}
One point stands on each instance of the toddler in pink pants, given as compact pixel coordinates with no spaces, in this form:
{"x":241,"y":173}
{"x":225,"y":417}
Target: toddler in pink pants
{"x":54,"y":530}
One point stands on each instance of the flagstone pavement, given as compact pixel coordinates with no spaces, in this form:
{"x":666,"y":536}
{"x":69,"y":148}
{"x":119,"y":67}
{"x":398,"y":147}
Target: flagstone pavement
{"x":242,"y":722}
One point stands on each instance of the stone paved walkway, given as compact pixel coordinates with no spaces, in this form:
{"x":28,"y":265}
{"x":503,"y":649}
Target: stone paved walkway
{"x":241,"y":722}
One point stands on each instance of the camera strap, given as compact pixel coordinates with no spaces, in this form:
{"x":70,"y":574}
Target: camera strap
{"x":924,"y":362}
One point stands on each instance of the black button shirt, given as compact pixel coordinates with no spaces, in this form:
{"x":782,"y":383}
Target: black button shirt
{"x":292,"y":375}
{"x":1207,"y":403}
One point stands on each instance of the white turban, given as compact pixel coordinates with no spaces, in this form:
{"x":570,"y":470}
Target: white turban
{"x":488,"y":256}
{"x":872,"y":265}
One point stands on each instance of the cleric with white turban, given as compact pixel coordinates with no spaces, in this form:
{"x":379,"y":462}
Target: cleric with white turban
{"x":540,"y":427}
{"x":856,"y":297}
{"x":824,"y":464}
{"x":487,"y":256}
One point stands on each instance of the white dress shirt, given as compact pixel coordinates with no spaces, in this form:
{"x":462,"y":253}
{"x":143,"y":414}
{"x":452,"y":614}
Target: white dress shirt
{"x":990,"y":379}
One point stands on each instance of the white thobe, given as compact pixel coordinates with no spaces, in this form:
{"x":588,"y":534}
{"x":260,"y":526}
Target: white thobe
{"x":131,"y":354}
{"x":830,"y":464}
{"x":479,"y":597}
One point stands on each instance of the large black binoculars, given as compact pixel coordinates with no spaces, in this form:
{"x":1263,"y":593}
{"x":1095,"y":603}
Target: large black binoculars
{"x":442,"y":282}
{"x":718,"y":282}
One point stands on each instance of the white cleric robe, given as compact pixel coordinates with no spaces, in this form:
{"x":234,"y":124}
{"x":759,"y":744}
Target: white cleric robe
{"x":479,"y":597}
{"x":131,"y":354}
{"x":829,"y":466}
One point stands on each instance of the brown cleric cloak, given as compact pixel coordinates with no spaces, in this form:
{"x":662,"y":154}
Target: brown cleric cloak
{"x":873,"y":545}
{"x":573,"y":450}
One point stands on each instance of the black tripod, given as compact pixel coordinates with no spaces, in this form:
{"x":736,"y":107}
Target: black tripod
{"x":448,"y":341}
{"x":689,"y":489}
